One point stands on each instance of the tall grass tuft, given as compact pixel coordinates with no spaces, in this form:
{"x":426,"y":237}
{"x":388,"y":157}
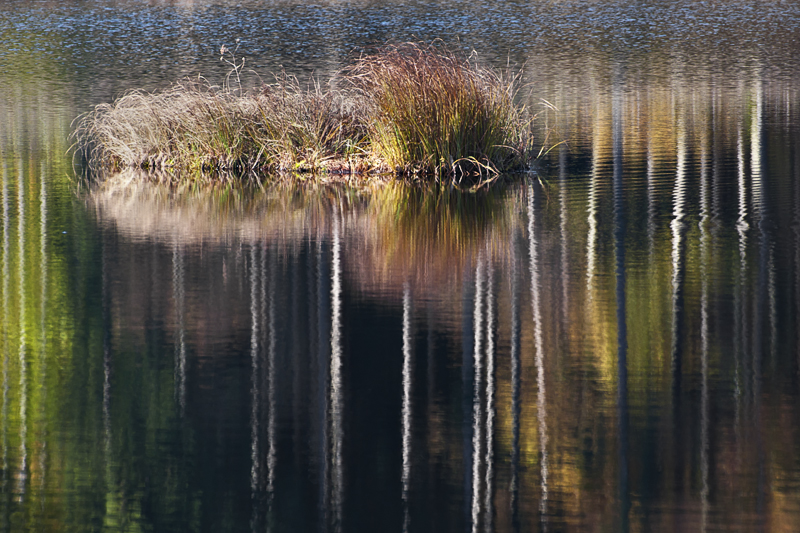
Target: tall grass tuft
{"x":434,"y":112}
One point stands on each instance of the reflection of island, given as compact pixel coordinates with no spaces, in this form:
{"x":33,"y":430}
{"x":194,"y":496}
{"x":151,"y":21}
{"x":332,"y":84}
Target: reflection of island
{"x":391,"y":233}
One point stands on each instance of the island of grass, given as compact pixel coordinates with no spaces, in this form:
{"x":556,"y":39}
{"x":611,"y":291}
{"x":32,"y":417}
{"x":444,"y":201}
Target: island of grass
{"x":410,"y":111}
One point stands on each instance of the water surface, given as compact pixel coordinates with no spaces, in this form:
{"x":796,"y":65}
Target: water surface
{"x":611,"y":344}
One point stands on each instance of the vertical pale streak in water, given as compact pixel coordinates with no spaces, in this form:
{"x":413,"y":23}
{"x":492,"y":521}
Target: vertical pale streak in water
{"x":269,"y":299}
{"x":406,"y":414}
{"x":255,"y":400}
{"x":756,"y":128}
{"x":756,"y":197}
{"x":755,"y":148}
{"x":741,"y":228}
{"x":677,"y":226}
{"x":489,"y":394}
{"x":476,"y":394}
{"x":179,"y":295}
{"x":6,"y":275}
{"x":467,"y":379}
{"x":541,"y":405}
{"x":704,"y":414}
{"x":42,"y":311}
{"x":741,"y":221}
{"x":23,"y":341}
{"x":765,"y":277}
{"x":716,"y":158}
{"x":336,"y":372}
{"x":592,"y":209}
{"x":515,"y":381}
{"x":622,"y":324}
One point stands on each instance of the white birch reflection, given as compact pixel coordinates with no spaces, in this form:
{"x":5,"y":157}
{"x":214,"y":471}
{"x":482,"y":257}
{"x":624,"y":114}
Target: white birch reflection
{"x":42,"y":438}
{"x":22,"y":473}
{"x":255,"y":386}
{"x":716,"y":154}
{"x":477,"y":418}
{"x":740,"y":306}
{"x":179,"y":297}
{"x":677,"y":226}
{"x":406,"y":414}
{"x":704,"y":341}
{"x":541,"y":400}
{"x":468,"y":298}
{"x":490,"y":375}
{"x":262,"y":384}
{"x":336,"y":400}
{"x":481,"y":462}
{"x":741,"y":221}
{"x":592,"y":207}
{"x":764,"y":292}
{"x":761,"y":208}
{"x":755,"y":146}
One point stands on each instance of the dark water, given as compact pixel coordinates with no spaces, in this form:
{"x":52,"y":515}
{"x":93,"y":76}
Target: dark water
{"x":612,"y":344}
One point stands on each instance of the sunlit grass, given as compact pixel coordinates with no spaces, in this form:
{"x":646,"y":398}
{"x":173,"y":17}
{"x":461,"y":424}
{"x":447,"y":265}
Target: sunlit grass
{"x":434,"y":112}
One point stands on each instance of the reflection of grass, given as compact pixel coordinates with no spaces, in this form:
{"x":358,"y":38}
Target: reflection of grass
{"x":424,"y":230}
{"x":425,"y":220}
{"x":427,"y":231}
{"x":410,"y":109}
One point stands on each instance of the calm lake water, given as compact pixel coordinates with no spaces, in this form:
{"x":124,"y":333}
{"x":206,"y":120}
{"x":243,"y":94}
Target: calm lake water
{"x":612,"y":344}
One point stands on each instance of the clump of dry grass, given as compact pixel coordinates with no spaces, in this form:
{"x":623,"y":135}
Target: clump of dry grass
{"x":411,"y":110}
{"x":310,"y":128}
{"x":199,"y":128}
{"x":434,"y":112}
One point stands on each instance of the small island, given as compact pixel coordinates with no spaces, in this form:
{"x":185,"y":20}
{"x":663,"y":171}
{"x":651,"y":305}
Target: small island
{"x":407,"y":111}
